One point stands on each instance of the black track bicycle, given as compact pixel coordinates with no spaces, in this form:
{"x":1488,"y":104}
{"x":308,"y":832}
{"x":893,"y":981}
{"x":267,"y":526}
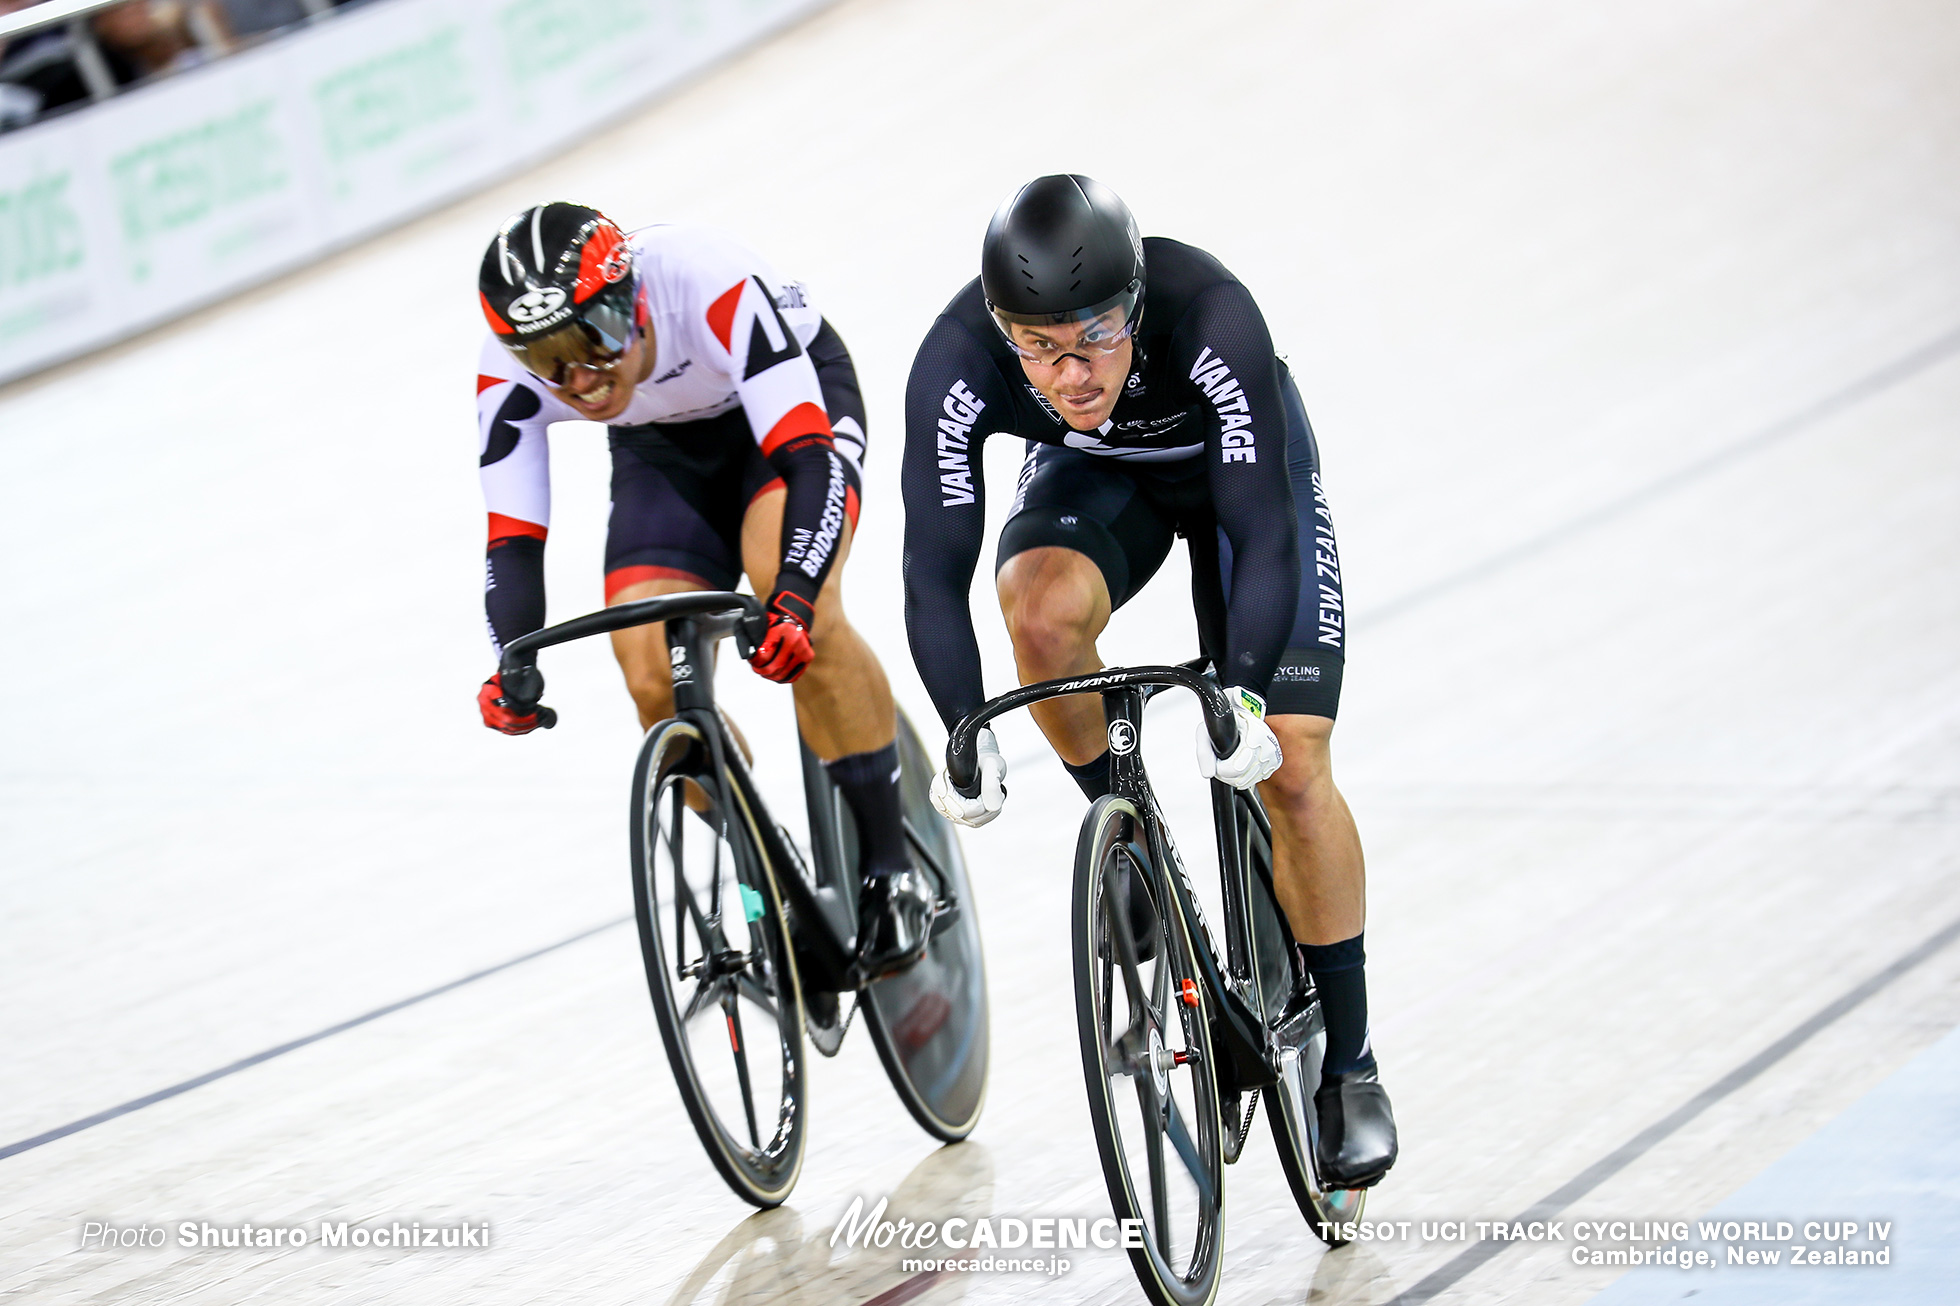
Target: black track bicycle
{"x":1178,"y":1048}
{"x":748,"y":943}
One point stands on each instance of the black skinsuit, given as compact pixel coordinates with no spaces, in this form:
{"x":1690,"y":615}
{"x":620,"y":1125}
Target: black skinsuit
{"x":1209,"y":441}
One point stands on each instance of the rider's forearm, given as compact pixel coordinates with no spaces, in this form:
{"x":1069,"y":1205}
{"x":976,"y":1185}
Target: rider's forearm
{"x":816,"y":504}
{"x":513,"y":588}
{"x":940,"y":632}
{"x":1260,"y":609}
{"x":942,"y":546}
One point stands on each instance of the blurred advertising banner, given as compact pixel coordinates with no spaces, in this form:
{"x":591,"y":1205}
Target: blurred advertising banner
{"x":129,"y":212}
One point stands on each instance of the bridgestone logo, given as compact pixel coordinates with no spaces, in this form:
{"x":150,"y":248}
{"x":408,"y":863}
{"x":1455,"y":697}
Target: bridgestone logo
{"x":808,"y":553}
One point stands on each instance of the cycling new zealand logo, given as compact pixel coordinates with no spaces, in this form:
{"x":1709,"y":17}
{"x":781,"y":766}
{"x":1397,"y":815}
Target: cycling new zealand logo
{"x":1122,"y":738}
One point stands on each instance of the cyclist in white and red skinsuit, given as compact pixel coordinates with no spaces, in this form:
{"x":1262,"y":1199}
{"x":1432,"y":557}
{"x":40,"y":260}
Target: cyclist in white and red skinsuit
{"x":737,"y":437}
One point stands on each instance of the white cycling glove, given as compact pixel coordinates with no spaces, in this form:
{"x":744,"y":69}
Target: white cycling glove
{"x":972,"y":812}
{"x":1257,"y":755}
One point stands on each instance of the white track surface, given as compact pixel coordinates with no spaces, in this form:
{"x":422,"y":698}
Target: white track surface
{"x":1614,"y":322}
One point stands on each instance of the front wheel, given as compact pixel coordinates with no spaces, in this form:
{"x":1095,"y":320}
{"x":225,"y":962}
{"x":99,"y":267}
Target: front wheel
{"x":718,"y":964}
{"x":1147,"y":1056}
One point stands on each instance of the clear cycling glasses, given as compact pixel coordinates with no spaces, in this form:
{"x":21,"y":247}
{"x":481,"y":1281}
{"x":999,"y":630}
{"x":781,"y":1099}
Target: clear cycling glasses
{"x":1091,"y":333}
{"x":599,"y":334}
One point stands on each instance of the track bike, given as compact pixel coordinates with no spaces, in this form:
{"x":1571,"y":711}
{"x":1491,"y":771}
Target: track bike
{"x":1177,"y":1047}
{"x":748,"y":943}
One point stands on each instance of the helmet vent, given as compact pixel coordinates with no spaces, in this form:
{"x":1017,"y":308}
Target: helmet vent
{"x":1071,"y":240}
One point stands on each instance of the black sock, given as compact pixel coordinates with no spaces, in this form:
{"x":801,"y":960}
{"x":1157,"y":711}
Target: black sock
{"x":1093,"y":777}
{"x":1338,"y":971}
{"x":869,"y":782}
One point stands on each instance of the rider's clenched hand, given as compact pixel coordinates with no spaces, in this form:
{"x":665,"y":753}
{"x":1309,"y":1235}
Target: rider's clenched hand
{"x":785,"y":652}
{"x":1257,"y":755}
{"x":496,"y":709}
{"x":977,"y":811}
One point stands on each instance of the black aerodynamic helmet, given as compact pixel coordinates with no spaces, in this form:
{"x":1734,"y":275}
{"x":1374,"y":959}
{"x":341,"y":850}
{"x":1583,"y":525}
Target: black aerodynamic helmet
{"x":560,"y":288}
{"x":1063,"y":248}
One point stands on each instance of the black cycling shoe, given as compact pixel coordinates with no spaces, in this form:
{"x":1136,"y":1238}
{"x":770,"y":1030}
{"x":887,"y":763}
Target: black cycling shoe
{"x":895,"y":914}
{"x":1357,"y":1129}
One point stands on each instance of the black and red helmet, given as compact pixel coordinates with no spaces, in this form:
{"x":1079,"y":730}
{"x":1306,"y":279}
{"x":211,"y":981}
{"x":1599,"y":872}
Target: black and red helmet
{"x":560,"y":288}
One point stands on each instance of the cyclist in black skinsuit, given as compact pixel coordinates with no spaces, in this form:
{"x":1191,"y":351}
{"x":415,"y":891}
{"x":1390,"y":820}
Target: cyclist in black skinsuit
{"x":1143,"y":378}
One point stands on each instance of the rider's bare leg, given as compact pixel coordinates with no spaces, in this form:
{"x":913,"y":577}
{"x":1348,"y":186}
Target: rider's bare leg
{"x":844,"y":709}
{"x":1319,"y":878}
{"x":642,"y":655}
{"x":642,"y":651}
{"x":1317,"y":866}
{"x":843,"y":702}
{"x":1056,"y":604}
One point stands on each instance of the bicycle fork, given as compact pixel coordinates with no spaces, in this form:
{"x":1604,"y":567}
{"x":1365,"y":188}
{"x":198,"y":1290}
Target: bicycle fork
{"x":1237,"y":1033}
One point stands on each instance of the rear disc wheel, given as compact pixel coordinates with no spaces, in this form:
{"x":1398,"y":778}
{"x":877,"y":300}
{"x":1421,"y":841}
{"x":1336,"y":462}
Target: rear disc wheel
{"x":929,"y":1021}
{"x":1325,"y":1209}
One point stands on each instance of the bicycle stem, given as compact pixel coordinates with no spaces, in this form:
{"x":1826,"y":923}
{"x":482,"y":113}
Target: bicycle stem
{"x":720,"y":612}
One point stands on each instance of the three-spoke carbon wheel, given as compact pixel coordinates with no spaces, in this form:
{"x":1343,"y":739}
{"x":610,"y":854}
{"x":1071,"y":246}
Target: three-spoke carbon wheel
{"x":1147,"y":1056}
{"x":718,"y":964}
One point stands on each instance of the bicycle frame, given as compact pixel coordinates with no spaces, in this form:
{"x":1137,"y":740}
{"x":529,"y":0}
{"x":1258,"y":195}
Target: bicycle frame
{"x":824,"y":927}
{"x":696,"y":622}
{"x":1239,"y":1027}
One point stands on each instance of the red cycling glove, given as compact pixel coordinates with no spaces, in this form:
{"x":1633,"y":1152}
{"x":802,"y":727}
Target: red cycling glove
{"x":497,"y":714}
{"x":785,"y":652}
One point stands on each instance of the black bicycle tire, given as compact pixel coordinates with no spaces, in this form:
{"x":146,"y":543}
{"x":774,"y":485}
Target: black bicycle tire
{"x":1088,"y":861}
{"x":761,"y":1193}
{"x":912,"y":754}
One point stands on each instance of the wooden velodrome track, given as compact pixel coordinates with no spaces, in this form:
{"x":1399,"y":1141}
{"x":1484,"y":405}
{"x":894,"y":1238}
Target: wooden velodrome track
{"x":1632,"y":338}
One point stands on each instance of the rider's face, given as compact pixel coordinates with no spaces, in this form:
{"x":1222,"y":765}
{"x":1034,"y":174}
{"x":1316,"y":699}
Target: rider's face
{"x":599,"y":395}
{"x":1083,"y":386}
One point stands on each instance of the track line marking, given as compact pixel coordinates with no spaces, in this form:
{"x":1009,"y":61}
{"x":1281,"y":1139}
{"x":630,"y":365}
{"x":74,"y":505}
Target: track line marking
{"x":165,"y":1094}
{"x":1865,"y":387}
{"x":1634,"y":1148}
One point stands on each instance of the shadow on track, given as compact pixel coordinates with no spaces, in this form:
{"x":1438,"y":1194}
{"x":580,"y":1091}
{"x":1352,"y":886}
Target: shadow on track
{"x":771,"y":1256}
